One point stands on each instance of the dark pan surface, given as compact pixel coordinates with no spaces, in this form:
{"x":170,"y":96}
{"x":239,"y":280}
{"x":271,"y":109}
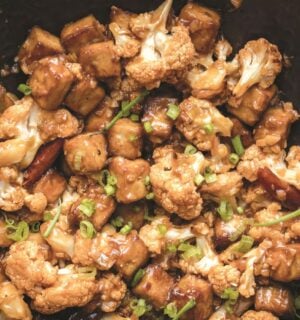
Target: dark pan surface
{"x":276,"y":20}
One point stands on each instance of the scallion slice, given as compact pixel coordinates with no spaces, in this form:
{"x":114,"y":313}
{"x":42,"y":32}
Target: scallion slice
{"x":173,"y":111}
{"x":238,"y":145}
{"x":137,"y":277}
{"x":25,"y":89}
{"x":87,"y":207}
{"x":148,"y":126}
{"x":284,"y":218}
{"x":87,"y":229}
{"x":53,"y":222}
{"x":225,"y":210}
{"x":190,"y":149}
{"x":126,"y":229}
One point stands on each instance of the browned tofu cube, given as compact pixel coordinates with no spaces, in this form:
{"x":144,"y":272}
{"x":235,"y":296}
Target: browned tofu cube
{"x":155,"y":286}
{"x":79,"y":33}
{"x":252,"y":104}
{"x":85,"y":96}
{"x":50,"y":82}
{"x":100,"y":60}
{"x":133,"y":255}
{"x":39,"y":44}
{"x":203,"y":24}
{"x":191,"y":287}
{"x":52,"y":185}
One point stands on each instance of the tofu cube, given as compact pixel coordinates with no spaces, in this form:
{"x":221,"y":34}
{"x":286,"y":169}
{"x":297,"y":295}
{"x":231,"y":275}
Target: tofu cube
{"x":50,"y":82}
{"x":85,"y":96}
{"x":39,"y":44}
{"x":79,"y":33}
{"x":100,"y":60}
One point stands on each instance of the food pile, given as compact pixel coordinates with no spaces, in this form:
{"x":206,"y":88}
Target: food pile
{"x":145,"y":174}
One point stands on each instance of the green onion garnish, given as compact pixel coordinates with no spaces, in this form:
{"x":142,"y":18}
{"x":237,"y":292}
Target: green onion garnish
{"x":190,"y":251}
{"x":209,"y":175}
{"x":137,"y":277}
{"x":139,"y":307}
{"x":147,"y":216}
{"x":126,"y":108}
{"x":147,"y":180}
{"x":171,"y":309}
{"x":209,"y":128}
{"x":111,"y":180}
{"x":132,"y":138}
{"x":173,"y":111}
{"x":198,"y":179}
{"x":47,"y":216}
{"x":25,"y":89}
{"x":134,"y":117}
{"x":53,"y":222}
{"x":238,"y":145}
{"x":126,"y":229}
{"x":190,"y":149}
{"x":284,"y":218}
{"x":20,"y":230}
{"x":162,"y":229}
{"x":231,"y":295}
{"x":234,"y":158}
{"x":87,"y":229}
{"x":171,"y":248}
{"x":245,"y":244}
{"x":35,"y":227}
{"x":225,"y":210}
{"x":109,"y":190}
{"x":87,"y":272}
{"x":148,"y":126}
{"x":117,"y":222}
{"x":240,"y":210}
{"x":150,"y":196}
{"x":87,"y":207}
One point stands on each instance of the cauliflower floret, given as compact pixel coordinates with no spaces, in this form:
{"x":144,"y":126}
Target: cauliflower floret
{"x":260,"y":62}
{"x":27,"y":127}
{"x":161,"y":53}
{"x":157,"y":241}
{"x":27,"y":266}
{"x":258,"y":315}
{"x":127,"y":44}
{"x":195,"y":115}
{"x":223,"y":277}
{"x":172,"y":178}
{"x":71,"y":289}
{"x":112,"y":290}
{"x":12,"y":304}
{"x":256,"y":197}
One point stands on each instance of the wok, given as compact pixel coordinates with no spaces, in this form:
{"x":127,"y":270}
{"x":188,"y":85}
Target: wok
{"x":276,"y":20}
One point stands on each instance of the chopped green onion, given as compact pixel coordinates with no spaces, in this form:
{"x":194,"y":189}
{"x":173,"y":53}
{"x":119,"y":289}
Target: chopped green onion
{"x":147,"y":181}
{"x":53,"y":222}
{"x":139,"y":307}
{"x":162,"y":229}
{"x":117,"y":222}
{"x":150,"y":196}
{"x":190,"y":149}
{"x":25,"y":89}
{"x":21,"y":230}
{"x":171,"y":248}
{"x":240,"y":210}
{"x":87,"y":272}
{"x":238,"y":145}
{"x":190,"y":251}
{"x":198,"y":179}
{"x":109,"y":190}
{"x":284,"y":218}
{"x":225,"y":210}
{"x":245,"y":244}
{"x":87,"y":229}
{"x":137,"y":277}
{"x":231,"y":295}
{"x":126,"y":229}
{"x":126,"y":108}
{"x":47,"y":216}
{"x":134,"y":117}
{"x":209,"y":175}
{"x":234,"y":158}
{"x":173,"y":111}
{"x":209,"y":128}
{"x":171,"y":309}
{"x":87,"y":207}
{"x":77,"y":160}
{"x":148,"y":127}
{"x":35,"y":227}
{"x":147,"y":217}
{"x":103,"y":176}
{"x":111,"y":180}
{"x":132,"y":138}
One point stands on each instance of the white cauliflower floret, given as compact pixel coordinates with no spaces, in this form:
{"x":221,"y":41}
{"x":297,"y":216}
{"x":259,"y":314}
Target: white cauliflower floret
{"x":258,"y":315}
{"x":161,"y":53}
{"x":26,"y":127}
{"x":195,"y":116}
{"x":223,"y":277}
{"x":172,"y":179}
{"x":260,"y":62}
{"x":12,"y":304}
{"x":157,"y":241}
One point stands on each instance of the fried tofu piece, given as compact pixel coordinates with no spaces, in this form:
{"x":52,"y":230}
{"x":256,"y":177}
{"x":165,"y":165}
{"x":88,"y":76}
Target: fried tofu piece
{"x":81,"y":32}
{"x":155,"y":286}
{"x":39,"y":44}
{"x":85,"y":96}
{"x":100,"y":60}
{"x":133,"y":213}
{"x":203,"y":24}
{"x":50,"y":82}
{"x":52,"y":185}
{"x":133,"y":255}
{"x":252,"y":104}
